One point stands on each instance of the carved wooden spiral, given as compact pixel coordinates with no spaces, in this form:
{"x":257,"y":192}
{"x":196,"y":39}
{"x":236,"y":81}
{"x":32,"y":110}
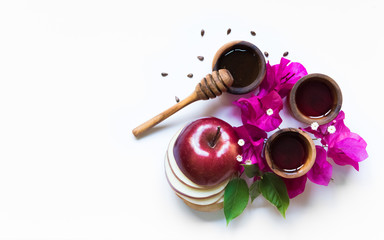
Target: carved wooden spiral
{"x":214,"y":84}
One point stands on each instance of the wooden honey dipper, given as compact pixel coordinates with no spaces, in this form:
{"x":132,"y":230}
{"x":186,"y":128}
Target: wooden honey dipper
{"x":210,"y":86}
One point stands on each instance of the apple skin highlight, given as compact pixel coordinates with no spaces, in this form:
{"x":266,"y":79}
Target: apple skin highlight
{"x":206,"y":151}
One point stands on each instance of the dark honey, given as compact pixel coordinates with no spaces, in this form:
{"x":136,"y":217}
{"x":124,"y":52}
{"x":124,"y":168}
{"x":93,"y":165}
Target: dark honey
{"x":243,"y":63}
{"x":314,"y":98}
{"x":288,"y":151}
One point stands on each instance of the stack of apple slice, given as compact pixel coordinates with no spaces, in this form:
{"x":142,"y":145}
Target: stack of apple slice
{"x":205,"y":192}
{"x":195,"y":196}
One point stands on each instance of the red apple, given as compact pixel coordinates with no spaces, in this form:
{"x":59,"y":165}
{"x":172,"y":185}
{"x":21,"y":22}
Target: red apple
{"x":206,"y":151}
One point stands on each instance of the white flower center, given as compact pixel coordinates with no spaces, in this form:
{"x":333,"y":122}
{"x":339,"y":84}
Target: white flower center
{"x":241,"y":142}
{"x":314,"y":126}
{"x":239,"y":158}
{"x":269,"y":111}
{"x":248,"y":162}
{"x":331,"y":129}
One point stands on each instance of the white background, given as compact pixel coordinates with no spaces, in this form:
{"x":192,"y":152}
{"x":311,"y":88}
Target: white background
{"x":77,"y":76}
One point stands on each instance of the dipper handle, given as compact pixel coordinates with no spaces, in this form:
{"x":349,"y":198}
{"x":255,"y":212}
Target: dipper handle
{"x":209,"y":87}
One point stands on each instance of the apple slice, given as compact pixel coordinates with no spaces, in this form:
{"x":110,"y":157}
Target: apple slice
{"x":206,"y":208}
{"x":187,"y":190}
{"x":214,"y":189}
{"x":202,"y":201}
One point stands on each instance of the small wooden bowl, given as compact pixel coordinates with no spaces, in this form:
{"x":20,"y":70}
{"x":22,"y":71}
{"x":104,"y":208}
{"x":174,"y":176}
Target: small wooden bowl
{"x":258,"y":69}
{"x":336,"y":95}
{"x":310,"y":156}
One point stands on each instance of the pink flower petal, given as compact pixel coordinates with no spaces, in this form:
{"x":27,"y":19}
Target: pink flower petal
{"x":295,"y":186}
{"x":341,"y":159}
{"x":254,"y":153}
{"x":291,"y":74}
{"x":270,"y":122}
{"x":254,"y":133}
{"x":321,"y":172}
{"x":281,"y":77}
{"x":349,"y":151}
{"x":250,"y":109}
{"x":273,"y":101}
{"x":253,"y":144}
{"x":254,"y":111}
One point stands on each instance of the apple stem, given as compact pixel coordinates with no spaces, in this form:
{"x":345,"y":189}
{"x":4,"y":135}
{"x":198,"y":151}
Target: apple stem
{"x":215,"y":138}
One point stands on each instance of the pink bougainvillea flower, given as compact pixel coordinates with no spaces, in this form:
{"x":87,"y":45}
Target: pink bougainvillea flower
{"x":262,"y":112}
{"x":320,"y":173}
{"x":252,"y":144}
{"x":344,"y":146}
{"x":348,"y":150}
{"x":281,"y":77}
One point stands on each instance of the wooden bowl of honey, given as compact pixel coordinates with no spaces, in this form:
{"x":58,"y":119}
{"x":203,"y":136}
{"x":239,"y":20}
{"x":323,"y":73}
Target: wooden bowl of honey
{"x":245,"y":62}
{"x":290,"y":152}
{"x":315,"y":98}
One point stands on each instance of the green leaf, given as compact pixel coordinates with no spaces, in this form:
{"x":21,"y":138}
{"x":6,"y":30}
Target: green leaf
{"x":236,"y":198}
{"x":251,"y":170}
{"x":274,"y":190}
{"x":254,"y":190}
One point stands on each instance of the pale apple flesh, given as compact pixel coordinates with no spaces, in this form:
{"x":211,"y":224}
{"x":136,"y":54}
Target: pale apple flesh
{"x":206,"y":208}
{"x":206,"y":151}
{"x":186,"y":190}
{"x":204,"y":201}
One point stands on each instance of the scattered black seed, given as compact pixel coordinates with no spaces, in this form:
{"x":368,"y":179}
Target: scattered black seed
{"x":285,"y":54}
{"x":164,"y":74}
{"x":201,"y":58}
{"x":202,"y":32}
{"x":190,"y":75}
{"x":229,"y":31}
{"x":253,"y":33}
{"x":266,"y":54}
{"x":177,"y":99}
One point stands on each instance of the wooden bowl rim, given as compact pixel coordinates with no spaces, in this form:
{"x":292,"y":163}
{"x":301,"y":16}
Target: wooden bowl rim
{"x":307,"y":165}
{"x":332,"y":84}
{"x":262,"y":70}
